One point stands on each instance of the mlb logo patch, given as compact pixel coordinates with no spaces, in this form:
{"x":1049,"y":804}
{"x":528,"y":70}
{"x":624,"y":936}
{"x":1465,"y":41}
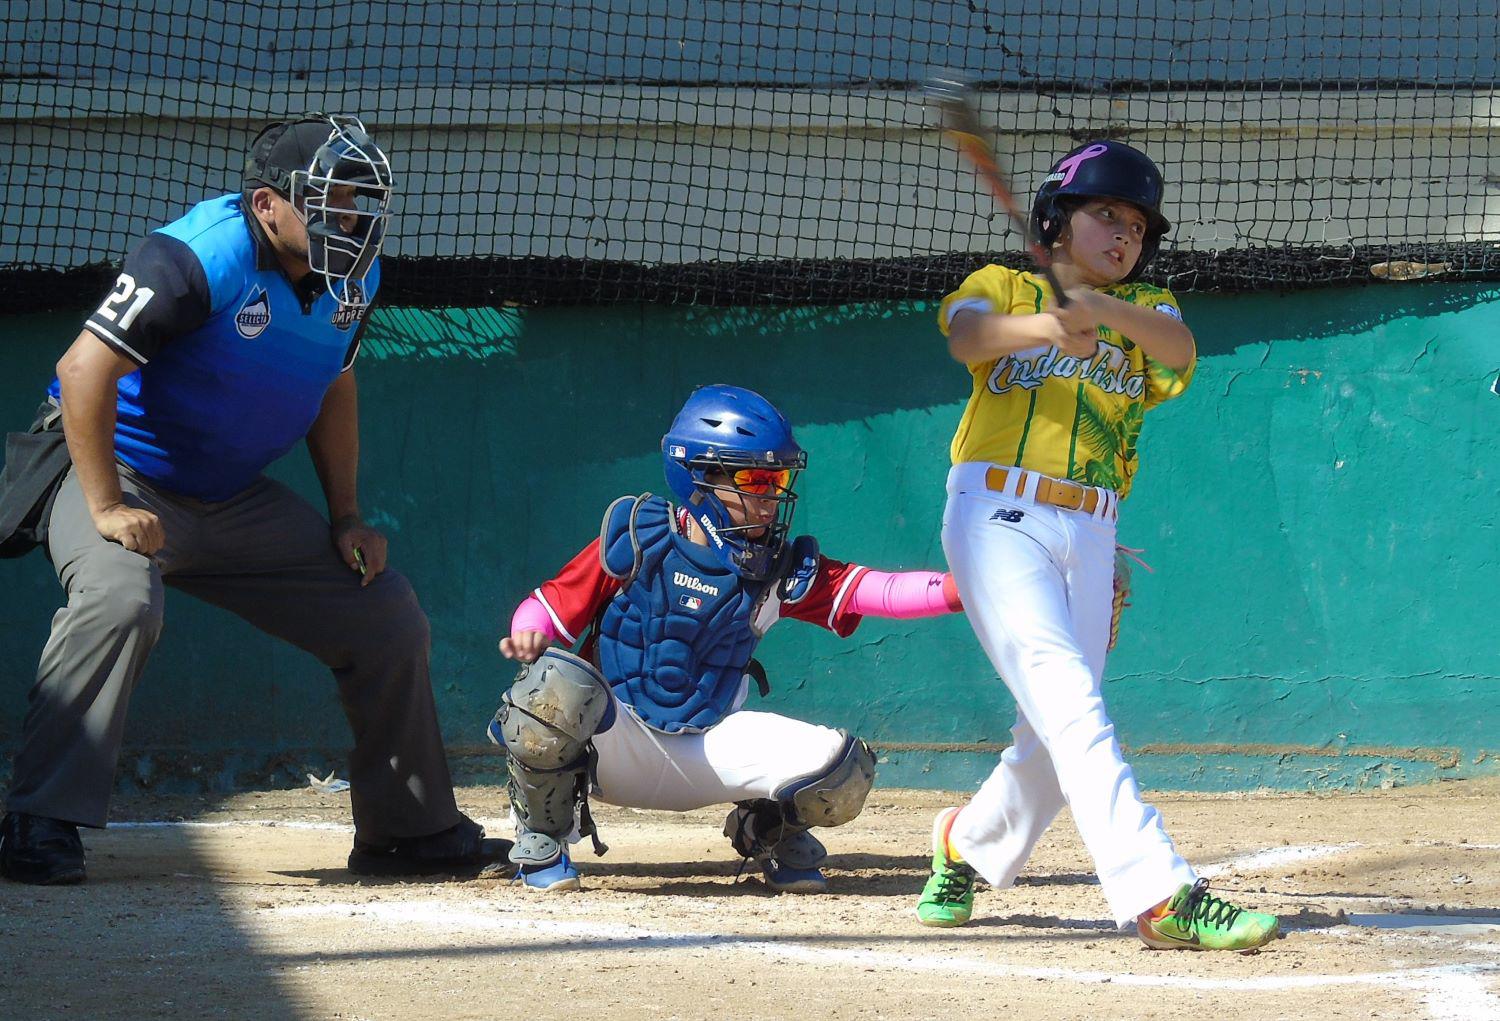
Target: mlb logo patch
{"x":691,"y":602}
{"x":676,"y":451}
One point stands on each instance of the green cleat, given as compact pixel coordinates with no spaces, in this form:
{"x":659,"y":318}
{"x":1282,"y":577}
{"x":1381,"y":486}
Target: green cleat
{"x":1197,"y":920}
{"x":948,"y":898}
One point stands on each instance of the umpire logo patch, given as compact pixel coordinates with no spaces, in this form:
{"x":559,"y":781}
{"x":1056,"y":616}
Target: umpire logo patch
{"x":254,"y":315}
{"x":348,"y":314}
{"x":1006,"y":514}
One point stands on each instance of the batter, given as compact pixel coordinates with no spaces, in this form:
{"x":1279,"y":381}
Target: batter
{"x":1043,"y":455}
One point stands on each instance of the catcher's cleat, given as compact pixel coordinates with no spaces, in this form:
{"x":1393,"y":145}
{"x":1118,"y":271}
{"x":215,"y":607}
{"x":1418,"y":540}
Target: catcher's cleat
{"x":41,"y":851}
{"x":1197,"y":920}
{"x":462,"y":851}
{"x":948,"y":898}
{"x":558,"y":877}
{"x":785,"y":878}
{"x":788,"y":856}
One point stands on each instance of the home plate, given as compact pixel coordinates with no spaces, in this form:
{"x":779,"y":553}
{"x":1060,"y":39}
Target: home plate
{"x":1435,"y":925}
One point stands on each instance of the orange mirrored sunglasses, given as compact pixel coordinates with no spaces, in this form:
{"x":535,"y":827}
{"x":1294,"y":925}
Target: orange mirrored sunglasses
{"x":762,"y":481}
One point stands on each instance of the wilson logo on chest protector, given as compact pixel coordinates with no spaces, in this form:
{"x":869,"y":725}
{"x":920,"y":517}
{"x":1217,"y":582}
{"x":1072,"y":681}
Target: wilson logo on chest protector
{"x":687,"y":581}
{"x":254,"y":315}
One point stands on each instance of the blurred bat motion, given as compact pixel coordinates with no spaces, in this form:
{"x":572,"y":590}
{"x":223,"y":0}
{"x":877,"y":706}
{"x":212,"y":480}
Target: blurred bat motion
{"x":955,"y":99}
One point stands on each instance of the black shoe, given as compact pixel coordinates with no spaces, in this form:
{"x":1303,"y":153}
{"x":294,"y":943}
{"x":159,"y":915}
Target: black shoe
{"x":460,"y":850}
{"x":41,"y":851}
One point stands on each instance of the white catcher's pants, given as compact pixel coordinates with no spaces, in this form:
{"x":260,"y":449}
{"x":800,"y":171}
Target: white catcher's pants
{"x":1038,"y":593}
{"x":744,"y":756}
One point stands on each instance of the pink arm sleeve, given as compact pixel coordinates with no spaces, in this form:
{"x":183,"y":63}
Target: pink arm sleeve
{"x":531,"y":615}
{"x":907,"y":594}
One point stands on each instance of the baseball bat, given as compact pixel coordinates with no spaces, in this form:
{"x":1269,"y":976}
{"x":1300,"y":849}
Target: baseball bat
{"x":954,"y":99}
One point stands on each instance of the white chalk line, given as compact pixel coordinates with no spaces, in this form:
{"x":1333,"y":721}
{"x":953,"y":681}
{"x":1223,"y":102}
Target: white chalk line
{"x":1449,"y":991}
{"x":229,"y":824}
{"x":491,"y":825}
{"x":1459,"y":996}
{"x":1268,"y":857}
{"x":1454,"y":987}
{"x":1265,"y":858}
{"x":1273,"y":856}
{"x":1295,"y":853}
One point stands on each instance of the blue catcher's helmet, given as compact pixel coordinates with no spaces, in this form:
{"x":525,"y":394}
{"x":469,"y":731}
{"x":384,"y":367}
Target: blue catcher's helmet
{"x":740,"y":439}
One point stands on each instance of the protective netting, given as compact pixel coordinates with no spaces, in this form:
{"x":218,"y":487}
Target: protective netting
{"x":749,"y":153}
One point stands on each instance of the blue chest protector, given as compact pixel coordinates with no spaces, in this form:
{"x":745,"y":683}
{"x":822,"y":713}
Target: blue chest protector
{"x":217,"y":405}
{"x":675,"y":641}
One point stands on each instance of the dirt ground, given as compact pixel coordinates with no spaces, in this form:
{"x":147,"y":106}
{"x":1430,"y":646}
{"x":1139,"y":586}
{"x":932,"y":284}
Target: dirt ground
{"x":242,"y":908}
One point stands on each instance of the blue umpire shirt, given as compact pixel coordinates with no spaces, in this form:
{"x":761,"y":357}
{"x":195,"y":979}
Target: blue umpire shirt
{"x":234,"y":358}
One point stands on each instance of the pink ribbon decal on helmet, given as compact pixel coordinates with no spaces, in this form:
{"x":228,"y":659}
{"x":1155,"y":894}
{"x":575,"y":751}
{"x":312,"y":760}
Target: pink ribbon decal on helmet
{"x":1069,"y":166}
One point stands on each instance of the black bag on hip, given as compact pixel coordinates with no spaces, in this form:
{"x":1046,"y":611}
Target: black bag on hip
{"x":35,"y":463}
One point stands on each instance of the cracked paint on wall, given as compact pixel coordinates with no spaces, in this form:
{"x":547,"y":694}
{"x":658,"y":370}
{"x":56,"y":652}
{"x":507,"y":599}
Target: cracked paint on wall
{"x":1320,"y":509}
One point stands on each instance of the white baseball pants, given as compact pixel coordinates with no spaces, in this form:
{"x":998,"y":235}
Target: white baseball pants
{"x":1037,"y":584}
{"x":744,"y":756}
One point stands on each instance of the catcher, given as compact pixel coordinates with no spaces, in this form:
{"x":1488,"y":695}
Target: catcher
{"x":670,"y":602}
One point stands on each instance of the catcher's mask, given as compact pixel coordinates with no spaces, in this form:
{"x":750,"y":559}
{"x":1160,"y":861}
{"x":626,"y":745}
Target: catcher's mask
{"x":1101,"y":170}
{"x":729,"y":440}
{"x":314,"y":163}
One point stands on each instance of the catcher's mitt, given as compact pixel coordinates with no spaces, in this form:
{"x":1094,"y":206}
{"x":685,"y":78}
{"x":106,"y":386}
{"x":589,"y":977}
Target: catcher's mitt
{"x":1123,"y":556}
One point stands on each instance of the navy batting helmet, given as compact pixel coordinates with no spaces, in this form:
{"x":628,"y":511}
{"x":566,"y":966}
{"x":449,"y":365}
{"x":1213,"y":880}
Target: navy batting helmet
{"x":738,"y":436}
{"x":1100,"y":170}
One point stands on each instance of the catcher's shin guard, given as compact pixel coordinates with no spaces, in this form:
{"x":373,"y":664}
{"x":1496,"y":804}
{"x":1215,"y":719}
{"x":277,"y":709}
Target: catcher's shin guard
{"x":834,"y":794}
{"x":776,"y":830}
{"x":545,"y":722}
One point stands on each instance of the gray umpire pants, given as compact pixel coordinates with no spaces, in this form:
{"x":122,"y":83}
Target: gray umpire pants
{"x":267,"y":556}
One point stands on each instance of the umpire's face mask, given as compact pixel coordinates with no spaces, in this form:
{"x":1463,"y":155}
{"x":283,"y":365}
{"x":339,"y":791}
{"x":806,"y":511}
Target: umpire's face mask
{"x":343,"y":197}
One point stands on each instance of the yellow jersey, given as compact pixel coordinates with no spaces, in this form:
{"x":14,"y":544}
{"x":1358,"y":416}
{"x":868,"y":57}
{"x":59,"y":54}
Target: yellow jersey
{"x":1044,"y":411}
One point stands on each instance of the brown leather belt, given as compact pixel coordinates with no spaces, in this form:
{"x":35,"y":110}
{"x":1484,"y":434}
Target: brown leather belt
{"x":1063,"y":493}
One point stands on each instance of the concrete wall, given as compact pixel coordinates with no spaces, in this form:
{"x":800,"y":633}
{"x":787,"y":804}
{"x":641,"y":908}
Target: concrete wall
{"x":670,"y":132}
{"x":1319,"y":509}
{"x":751,"y":42}
{"x":673,"y":175}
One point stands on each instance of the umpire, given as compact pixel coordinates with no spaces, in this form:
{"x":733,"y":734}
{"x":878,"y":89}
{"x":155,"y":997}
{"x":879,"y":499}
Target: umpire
{"x":229,"y":337}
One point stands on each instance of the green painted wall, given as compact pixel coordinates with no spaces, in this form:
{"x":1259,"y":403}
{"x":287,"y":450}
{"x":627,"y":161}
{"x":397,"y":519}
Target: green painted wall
{"x":1320,"y":511}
